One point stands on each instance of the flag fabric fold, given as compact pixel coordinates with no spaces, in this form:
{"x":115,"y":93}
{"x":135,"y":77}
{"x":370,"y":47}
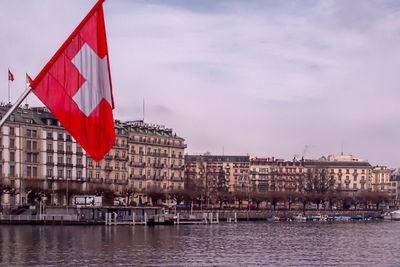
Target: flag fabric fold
{"x":10,"y":76}
{"x":28,"y":78}
{"x":76,"y":85}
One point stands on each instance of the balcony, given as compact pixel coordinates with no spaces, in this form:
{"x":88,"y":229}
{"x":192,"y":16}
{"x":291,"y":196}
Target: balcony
{"x":108,"y":181}
{"x":96,"y":180}
{"x":50,"y":163}
{"x":32,"y":150}
{"x":60,"y":164}
{"x":108,"y":157}
{"x":158,"y":165}
{"x":121,"y":181}
{"x":177,"y":167}
{"x":68,"y":152}
{"x":138,"y":177}
{"x":60,"y":151}
{"x":108,"y":168}
{"x":69,"y":165}
{"x":121,"y":158}
{"x":138,"y":164}
{"x":50,"y":150}
{"x":79,"y":165}
{"x":79,"y":153}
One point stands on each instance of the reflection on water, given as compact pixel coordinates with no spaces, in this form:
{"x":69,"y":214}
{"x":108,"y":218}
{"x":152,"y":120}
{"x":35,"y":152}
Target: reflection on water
{"x":247,"y":243}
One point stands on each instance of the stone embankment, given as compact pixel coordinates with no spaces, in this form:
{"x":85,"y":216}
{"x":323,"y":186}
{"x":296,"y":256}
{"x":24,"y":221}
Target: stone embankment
{"x":260,"y":214}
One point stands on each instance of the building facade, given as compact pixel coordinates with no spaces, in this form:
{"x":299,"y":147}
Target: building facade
{"x":216,"y":172}
{"x":38,"y":157}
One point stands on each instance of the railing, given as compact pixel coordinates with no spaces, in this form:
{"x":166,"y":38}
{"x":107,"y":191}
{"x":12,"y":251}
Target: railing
{"x":44,"y":217}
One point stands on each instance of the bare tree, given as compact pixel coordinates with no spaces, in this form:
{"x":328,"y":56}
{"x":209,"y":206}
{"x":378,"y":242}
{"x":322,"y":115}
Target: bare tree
{"x":316,"y":183}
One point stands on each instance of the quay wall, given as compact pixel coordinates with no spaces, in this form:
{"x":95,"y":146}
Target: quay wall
{"x":263,"y":214}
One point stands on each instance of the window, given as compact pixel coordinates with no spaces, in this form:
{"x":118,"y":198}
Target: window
{"x":60,"y":159}
{"x":116,"y":176}
{"x":97,"y":175}
{"x":34,"y":133}
{"x":60,"y":146}
{"x":60,"y":136}
{"x":90,"y":175}
{"x":28,"y":144}
{"x":12,"y":170}
{"x":34,"y":144}
{"x":354,"y":186}
{"x":79,"y":161}
{"x":29,"y":171}
{"x":69,"y":149}
{"x":11,"y":131}
{"x":60,"y":173}
{"x":90,"y":163}
{"x":35,"y":158}
{"x":69,"y":173}
{"x":12,"y":156}
{"x":79,"y":174}
{"x":49,"y":135}
{"x":49,"y":172}
{"x":49,"y":146}
{"x":34,"y":171}
{"x":69,"y":160}
{"x":12,"y":143}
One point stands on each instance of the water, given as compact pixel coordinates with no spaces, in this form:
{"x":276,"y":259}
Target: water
{"x":244,"y":244}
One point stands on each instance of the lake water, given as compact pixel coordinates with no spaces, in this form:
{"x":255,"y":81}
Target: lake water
{"x":244,"y":244}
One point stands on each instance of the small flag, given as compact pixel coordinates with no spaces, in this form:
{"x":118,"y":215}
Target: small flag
{"x":10,"y":76}
{"x":28,"y":78}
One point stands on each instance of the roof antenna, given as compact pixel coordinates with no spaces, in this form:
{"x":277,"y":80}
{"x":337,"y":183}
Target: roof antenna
{"x":143,"y":109}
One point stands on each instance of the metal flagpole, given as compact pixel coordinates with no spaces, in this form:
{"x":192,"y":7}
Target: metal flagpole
{"x":8,"y":78}
{"x":19,"y":101}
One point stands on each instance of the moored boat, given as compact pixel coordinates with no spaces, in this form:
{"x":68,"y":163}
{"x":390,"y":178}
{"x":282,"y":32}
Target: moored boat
{"x":394,"y":215}
{"x":300,"y":217}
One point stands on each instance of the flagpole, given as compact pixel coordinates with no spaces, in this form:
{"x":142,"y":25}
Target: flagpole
{"x":14,"y":107}
{"x":8,"y":78}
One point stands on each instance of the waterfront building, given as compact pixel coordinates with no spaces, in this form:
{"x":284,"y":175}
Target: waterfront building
{"x":270,"y":174}
{"x":394,"y":187}
{"x":348,"y":173}
{"x":145,"y":157}
{"x":381,"y":179}
{"x":219,"y":173}
{"x":39,"y":159}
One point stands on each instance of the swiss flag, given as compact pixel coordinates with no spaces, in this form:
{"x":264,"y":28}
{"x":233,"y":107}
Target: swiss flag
{"x":76,"y":86}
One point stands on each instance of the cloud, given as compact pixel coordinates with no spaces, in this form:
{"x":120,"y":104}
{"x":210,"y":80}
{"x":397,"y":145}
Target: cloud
{"x":262,"y":78}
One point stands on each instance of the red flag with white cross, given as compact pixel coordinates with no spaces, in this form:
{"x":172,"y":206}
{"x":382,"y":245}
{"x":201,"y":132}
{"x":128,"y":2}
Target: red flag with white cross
{"x":76,"y":85}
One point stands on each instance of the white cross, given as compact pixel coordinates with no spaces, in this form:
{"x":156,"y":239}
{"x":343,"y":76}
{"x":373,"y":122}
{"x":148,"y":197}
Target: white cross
{"x":97,"y":85}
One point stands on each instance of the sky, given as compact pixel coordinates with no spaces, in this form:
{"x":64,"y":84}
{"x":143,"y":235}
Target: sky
{"x":259,"y":78}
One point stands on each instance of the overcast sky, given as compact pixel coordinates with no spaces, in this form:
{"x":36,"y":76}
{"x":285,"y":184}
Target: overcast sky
{"x":264,"y":78}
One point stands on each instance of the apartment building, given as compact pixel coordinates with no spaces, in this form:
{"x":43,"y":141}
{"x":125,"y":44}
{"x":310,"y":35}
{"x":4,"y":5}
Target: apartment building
{"x":216,"y":172}
{"x":381,"y":179}
{"x":37,"y":152}
{"x":349,"y":174}
{"x":145,"y":157}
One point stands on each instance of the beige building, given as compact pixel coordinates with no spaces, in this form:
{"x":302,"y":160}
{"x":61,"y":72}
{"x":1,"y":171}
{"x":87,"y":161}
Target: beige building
{"x":381,"y":179}
{"x":145,"y":157}
{"x":349,"y":174}
{"x":38,"y":157}
{"x":37,"y":153}
{"x":215,"y":172}
{"x":270,"y":174}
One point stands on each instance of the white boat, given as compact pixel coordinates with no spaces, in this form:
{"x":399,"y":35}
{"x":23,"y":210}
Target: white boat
{"x":394,"y":215}
{"x":299,"y":217}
